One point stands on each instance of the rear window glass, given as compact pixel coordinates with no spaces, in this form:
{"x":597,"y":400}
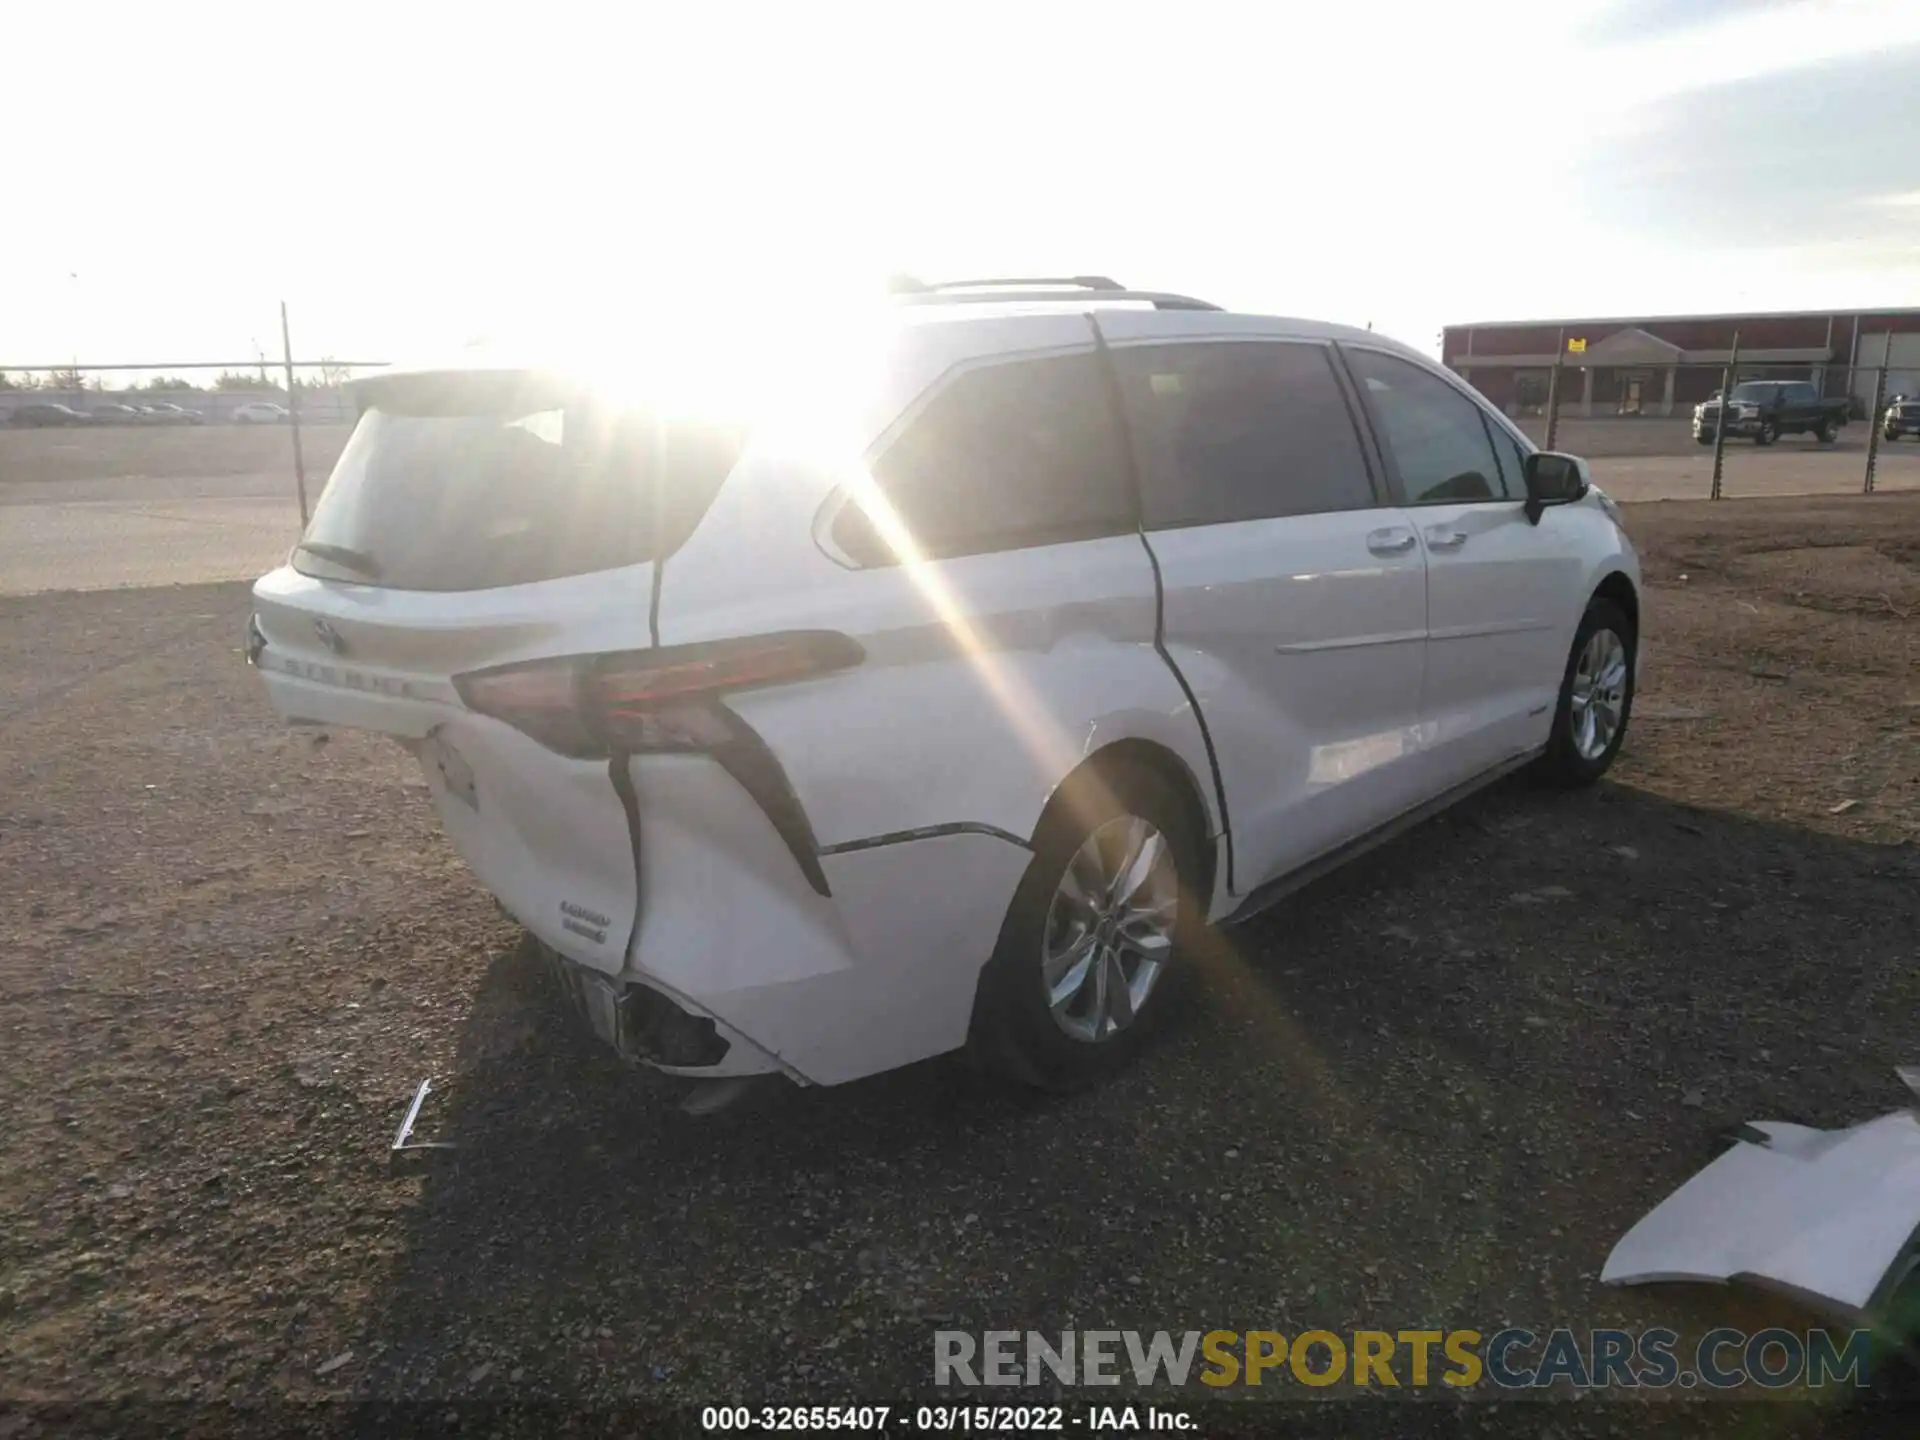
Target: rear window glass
{"x":470,"y":482}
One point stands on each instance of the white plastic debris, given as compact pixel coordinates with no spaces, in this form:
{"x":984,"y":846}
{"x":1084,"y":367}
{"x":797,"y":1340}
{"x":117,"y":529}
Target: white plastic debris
{"x":1828,"y":1217}
{"x":404,"y":1141}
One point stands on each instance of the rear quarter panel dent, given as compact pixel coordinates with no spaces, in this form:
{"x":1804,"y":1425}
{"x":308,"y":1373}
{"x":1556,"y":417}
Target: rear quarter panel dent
{"x":986,"y":740}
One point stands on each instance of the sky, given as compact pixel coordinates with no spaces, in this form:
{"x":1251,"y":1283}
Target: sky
{"x":411,"y":176}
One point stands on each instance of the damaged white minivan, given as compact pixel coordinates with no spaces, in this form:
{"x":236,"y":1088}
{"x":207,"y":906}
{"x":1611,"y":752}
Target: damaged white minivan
{"x":1106,"y":616}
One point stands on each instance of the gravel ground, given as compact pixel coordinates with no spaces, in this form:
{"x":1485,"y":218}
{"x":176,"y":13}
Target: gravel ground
{"x":1432,"y":1089}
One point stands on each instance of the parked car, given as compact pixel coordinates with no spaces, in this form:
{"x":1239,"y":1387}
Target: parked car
{"x":166,"y":413}
{"x":1764,"y":410}
{"x":259,"y":412}
{"x":116,"y":414}
{"x":44,"y":413}
{"x":1901,"y":417}
{"x":1117,"y":617}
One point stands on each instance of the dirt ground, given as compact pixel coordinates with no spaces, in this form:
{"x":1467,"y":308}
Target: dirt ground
{"x":1433,"y":1089}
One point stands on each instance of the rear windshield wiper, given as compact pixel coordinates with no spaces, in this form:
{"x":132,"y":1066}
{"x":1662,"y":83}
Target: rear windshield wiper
{"x":343,"y":555}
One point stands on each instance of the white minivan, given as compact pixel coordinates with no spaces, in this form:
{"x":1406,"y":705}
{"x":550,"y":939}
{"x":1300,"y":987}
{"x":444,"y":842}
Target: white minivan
{"x":1109,"y":616}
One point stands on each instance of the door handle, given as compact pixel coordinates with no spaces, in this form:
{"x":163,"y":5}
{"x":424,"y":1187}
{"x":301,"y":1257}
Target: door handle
{"x":1390,"y":542}
{"x":1445,"y":537}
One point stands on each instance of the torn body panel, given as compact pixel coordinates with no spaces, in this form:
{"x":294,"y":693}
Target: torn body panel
{"x":546,"y":833}
{"x":829,"y":988}
{"x":1827,"y":1217}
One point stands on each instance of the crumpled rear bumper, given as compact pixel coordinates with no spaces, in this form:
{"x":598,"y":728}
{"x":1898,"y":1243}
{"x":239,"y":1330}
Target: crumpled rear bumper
{"x":732,"y":943}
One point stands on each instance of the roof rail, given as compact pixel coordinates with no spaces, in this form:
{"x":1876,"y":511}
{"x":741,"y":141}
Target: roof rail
{"x":1048,"y":287}
{"x":908,"y":285}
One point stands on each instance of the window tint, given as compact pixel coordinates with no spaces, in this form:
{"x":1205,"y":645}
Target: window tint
{"x":1800,"y":391}
{"x":1436,"y":434}
{"x":1017,"y":454}
{"x":1241,"y":430}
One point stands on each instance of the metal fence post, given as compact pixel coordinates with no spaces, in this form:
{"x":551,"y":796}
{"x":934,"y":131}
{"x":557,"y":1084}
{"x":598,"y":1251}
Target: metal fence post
{"x":293,"y":418}
{"x":1726,"y":410}
{"x":1874,"y":412}
{"x":1553,"y":389}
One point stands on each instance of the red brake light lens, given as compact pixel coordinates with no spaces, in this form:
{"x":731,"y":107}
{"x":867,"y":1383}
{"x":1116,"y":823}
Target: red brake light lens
{"x":662,"y":699}
{"x":646,"y":679}
{"x":542,"y":699}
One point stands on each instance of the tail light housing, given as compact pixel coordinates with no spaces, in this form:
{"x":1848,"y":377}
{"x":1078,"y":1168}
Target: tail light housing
{"x":668,"y":699}
{"x":630,"y":701}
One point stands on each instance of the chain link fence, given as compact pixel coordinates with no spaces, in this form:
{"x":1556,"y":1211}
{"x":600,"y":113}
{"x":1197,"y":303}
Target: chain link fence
{"x":153,"y":473}
{"x":1655,"y":433}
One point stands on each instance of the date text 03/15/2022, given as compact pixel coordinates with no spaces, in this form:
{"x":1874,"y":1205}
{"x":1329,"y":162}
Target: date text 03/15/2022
{"x":948,"y":1419}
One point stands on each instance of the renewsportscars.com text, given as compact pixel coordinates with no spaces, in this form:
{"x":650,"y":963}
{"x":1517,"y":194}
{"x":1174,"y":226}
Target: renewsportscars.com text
{"x":1511,"y":1358}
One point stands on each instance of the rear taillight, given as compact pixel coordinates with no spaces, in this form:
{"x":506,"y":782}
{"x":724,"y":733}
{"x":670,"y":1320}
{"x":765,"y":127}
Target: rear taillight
{"x":634,"y":700}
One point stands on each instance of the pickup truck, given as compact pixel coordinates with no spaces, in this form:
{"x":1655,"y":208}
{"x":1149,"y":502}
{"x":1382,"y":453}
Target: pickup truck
{"x":1902,"y":417}
{"x":1764,"y":410}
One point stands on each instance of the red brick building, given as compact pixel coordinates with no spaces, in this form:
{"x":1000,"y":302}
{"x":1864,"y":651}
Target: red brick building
{"x":1664,"y":365}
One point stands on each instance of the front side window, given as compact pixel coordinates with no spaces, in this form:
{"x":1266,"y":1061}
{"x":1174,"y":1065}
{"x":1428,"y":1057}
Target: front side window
{"x":1241,"y":430}
{"x":1006,"y":456}
{"x":1512,"y":458}
{"x":1438,"y":437}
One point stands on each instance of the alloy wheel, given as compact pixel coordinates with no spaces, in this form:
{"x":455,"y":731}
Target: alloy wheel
{"x":1599,"y":694}
{"x":1110,"y":929}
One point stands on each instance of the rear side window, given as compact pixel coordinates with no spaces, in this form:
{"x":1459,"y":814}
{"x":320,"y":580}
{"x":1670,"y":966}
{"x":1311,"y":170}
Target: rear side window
{"x":1008,"y":456}
{"x":1437,"y":436}
{"x":466,"y":482}
{"x":1243,"y":430}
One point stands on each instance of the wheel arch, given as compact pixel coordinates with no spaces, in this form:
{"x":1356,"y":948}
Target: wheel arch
{"x":1133,"y":755}
{"x":1618,"y":588}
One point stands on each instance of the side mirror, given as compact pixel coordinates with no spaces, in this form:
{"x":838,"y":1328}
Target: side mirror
{"x":1554,"y":479}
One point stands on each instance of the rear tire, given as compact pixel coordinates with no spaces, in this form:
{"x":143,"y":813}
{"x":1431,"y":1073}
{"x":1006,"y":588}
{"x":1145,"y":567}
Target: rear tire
{"x":1826,"y":432}
{"x":1036,"y":1020}
{"x":1596,"y":698}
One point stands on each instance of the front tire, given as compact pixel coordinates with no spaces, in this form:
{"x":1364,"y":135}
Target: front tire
{"x":1767,"y":433}
{"x":1093,"y":949}
{"x":1596,"y":698}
